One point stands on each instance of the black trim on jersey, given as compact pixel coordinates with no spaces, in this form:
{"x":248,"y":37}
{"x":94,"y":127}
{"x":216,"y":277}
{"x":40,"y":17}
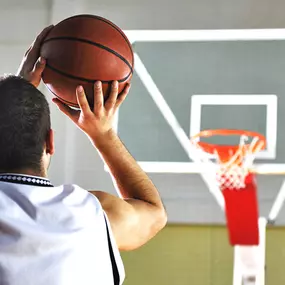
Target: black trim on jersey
{"x":25,"y":179}
{"x":116,"y":274}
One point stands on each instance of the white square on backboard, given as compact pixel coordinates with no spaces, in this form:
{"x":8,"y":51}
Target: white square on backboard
{"x":270,"y":101}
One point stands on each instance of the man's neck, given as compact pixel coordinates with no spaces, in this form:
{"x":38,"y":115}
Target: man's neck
{"x":29,"y":172}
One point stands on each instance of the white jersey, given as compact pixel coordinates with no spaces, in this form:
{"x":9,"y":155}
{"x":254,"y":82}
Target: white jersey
{"x":54,"y":235}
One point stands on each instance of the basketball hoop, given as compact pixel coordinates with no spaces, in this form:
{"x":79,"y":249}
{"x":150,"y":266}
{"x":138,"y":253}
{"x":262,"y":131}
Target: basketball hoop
{"x":234,"y":162}
{"x":233,"y":171}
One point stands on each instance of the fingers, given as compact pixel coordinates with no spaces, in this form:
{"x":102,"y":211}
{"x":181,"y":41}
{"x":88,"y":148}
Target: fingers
{"x":27,"y":52}
{"x":98,"y":98}
{"x":110,"y":103}
{"x":122,"y":96}
{"x":72,"y":114}
{"x":33,"y":52}
{"x":82,"y":100}
{"x":39,"y":39}
{"x":39,"y":67}
{"x":113,"y":102}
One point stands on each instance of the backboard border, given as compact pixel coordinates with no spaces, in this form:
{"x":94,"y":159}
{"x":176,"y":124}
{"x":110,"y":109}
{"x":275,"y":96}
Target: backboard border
{"x":201,"y":36}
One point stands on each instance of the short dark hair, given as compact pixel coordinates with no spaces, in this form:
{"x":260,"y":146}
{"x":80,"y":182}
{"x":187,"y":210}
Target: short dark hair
{"x":24,"y":125}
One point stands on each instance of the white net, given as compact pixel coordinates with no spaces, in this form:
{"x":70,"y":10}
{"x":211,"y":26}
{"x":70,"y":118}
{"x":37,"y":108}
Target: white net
{"x":231,"y":174}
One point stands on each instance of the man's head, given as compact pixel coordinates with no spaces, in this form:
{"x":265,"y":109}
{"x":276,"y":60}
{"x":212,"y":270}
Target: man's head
{"x":26,"y":139}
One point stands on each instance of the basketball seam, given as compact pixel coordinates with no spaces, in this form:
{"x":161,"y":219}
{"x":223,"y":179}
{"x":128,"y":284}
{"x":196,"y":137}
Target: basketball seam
{"x":62,"y":100}
{"x":94,"y":44}
{"x":85,"y":79}
{"x":109,"y":23}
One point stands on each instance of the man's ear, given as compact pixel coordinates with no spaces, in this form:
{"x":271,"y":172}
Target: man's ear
{"x":50,"y":142}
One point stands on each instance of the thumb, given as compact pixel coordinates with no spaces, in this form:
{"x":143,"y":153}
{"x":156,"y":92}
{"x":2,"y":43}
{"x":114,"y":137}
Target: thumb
{"x":39,"y":67}
{"x":71,"y":113}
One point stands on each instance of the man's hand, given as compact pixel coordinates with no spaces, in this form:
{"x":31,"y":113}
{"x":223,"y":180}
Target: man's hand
{"x":32,"y":66}
{"x":98,"y":122}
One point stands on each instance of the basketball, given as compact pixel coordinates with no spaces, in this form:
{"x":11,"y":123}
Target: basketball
{"x":84,"y":49}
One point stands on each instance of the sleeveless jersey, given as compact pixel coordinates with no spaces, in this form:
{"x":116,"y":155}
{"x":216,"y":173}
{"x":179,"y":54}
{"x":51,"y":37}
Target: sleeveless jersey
{"x":54,"y":235}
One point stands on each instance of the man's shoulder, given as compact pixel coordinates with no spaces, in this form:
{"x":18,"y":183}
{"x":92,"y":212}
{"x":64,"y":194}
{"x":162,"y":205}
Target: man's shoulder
{"x":75,"y":193}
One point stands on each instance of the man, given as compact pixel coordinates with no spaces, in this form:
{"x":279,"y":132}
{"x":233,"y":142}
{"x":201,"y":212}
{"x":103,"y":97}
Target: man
{"x":65,"y":235}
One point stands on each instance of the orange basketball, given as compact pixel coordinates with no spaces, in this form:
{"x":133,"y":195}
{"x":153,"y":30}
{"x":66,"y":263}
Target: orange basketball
{"x":81,"y":50}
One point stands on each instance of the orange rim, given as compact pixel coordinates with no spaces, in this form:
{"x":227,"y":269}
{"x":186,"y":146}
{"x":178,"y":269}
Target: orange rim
{"x":226,"y":151}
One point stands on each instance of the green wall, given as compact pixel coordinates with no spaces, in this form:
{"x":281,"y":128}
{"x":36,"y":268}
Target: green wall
{"x":198,"y":255}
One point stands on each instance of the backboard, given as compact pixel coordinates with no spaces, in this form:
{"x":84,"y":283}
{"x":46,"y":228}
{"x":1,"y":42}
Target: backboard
{"x":188,"y":81}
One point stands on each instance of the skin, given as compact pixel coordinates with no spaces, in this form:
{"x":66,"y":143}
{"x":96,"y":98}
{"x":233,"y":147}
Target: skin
{"x":137,"y":214}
